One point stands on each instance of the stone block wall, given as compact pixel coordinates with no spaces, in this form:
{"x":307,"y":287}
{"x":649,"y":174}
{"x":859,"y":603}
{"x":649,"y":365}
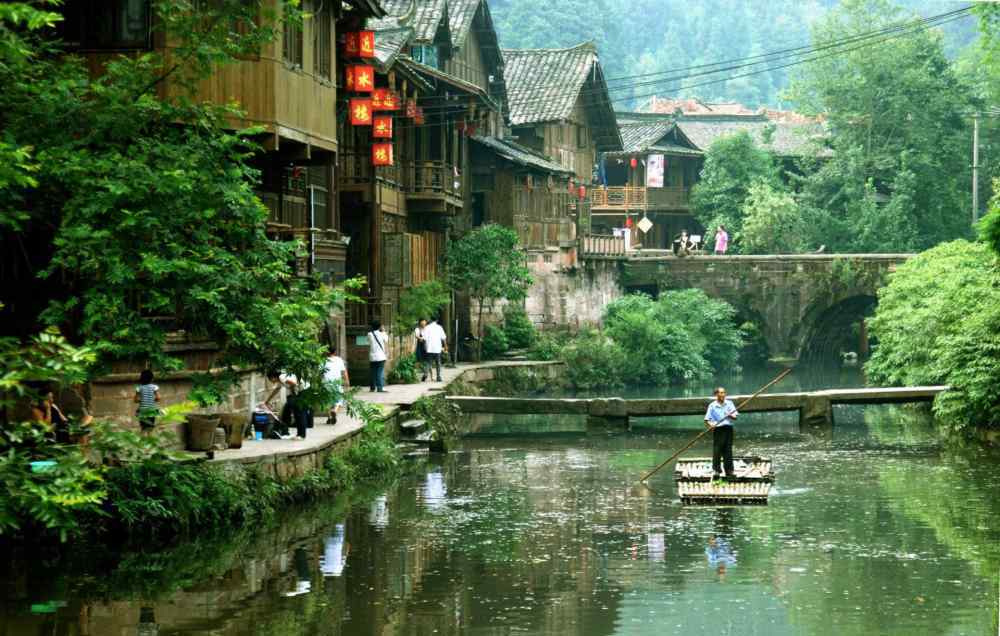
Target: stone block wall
{"x":572,"y":296}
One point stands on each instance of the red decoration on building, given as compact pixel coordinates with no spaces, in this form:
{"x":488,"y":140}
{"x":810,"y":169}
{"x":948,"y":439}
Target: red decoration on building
{"x":633,"y":162}
{"x":382,"y":127}
{"x":391,"y":101}
{"x":411,"y":108}
{"x":628,"y":221}
{"x":418,"y":119}
{"x":366,"y":44}
{"x":361,"y":111}
{"x":349,"y":77}
{"x":570,"y":187}
{"x":351,"y":44}
{"x":382,"y":154}
{"x":582,"y":192}
{"x":364,"y":78}
{"x":379,"y":97}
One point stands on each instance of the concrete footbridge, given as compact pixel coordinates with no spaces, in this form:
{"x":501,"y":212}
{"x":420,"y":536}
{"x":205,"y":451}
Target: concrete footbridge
{"x":815,"y":407}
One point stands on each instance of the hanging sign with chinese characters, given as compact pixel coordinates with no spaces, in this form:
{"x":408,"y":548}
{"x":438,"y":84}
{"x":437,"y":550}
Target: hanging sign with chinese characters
{"x":382,"y":127}
{"x":411,"y":108}
{"x":361,"y":111}
{"x":382,"y":154}
{"x":349,"y":77}
{"x":366,"y":44}
{"x":351,"y":44}
{"x":379,"y":95}
{"x":391,"y":101}
{"x":418,"y":118}
{"x":364,"y":78}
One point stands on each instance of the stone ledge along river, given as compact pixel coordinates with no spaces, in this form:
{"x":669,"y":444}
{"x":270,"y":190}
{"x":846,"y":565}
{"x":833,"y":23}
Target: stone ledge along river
{"x":528,"y":527}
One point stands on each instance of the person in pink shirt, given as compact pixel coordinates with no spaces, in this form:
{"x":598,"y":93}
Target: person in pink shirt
{"x":721,"y":241}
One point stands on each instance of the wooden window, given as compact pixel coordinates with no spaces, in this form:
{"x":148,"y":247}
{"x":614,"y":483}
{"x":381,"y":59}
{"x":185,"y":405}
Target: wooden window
{"x":323,"y":38}
{"x":581,"y":137}
{"x":106,"y":24}
{"x":291,"y":42}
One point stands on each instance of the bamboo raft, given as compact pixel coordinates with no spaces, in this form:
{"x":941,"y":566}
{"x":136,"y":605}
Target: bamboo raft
{"x":750,"y":486}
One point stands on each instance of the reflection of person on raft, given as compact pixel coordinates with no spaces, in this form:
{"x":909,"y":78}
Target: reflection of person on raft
{"x":719,"y":551}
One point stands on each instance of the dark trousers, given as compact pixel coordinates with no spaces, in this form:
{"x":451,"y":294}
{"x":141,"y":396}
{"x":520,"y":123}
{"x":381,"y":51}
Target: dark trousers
{"x":722,"y":449}
{"x":377,"y":375}
{"x":432,"y":362}
{"x":297,"y":412}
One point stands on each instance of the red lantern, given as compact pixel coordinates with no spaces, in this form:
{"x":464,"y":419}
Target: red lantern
{"x":351,"y":44}
{"x":582,"y":192}
{"x":382,"y":154}
{"x":633,"y":162}
{"x":349,"y":78}
{"x":418,"y":119}
{"x":364,"y":78}
{"x":382,"y":127}
{"x":366,"y":44}
{"x":361,"y":111}
{"x":378,"y":98}
{"x":411,"y":108}
{"x":391,"y":101}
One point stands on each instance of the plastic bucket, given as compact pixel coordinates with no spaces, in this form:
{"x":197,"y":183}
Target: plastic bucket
{"x":42,"y":466}
{"x":201,"y":431}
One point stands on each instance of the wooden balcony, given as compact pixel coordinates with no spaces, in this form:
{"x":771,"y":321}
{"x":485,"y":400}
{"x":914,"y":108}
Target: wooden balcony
{"x":433,"y":186}
{"x":359,"y":314}
{"x":356,"y":172}
{"x":622,"y":198}
{"x":602,"y":245}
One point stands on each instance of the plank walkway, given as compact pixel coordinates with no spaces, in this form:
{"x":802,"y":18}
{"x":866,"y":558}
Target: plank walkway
{"x":813,"y":405}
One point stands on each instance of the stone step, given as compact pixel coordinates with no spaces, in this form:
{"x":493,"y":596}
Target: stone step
{"x":409,"y":428}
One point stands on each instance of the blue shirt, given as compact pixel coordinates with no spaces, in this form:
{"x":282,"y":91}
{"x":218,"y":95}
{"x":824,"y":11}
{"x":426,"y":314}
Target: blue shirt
{"x":716,"y":413}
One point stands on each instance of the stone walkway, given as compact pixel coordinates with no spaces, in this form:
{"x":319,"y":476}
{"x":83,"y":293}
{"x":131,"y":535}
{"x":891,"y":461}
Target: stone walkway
{"x":323,"y":435}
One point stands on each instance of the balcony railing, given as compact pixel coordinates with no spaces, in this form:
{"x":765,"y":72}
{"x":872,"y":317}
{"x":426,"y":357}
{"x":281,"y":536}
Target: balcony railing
{"x":357,"y":169}
{"x":602,"y":245}
{"x":433,"y":177}
{"x":637,"y":198}
{"x":360,"y":313}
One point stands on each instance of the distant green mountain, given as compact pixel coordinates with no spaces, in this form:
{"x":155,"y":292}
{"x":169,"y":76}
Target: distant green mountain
{"x":669,"y":37}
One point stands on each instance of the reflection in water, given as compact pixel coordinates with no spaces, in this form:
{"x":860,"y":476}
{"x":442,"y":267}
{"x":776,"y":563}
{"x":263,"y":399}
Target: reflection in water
{"x":884,"y":534}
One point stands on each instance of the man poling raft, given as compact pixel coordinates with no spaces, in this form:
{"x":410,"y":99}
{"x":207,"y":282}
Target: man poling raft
{"x":719,"y":419}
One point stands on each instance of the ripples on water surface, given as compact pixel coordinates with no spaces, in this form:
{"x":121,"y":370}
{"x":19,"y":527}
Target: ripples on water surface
{"x":873,"y":529}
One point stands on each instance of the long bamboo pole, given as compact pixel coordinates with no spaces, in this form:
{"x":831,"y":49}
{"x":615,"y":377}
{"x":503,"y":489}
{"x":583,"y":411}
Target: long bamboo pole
{"x":697,"y":437}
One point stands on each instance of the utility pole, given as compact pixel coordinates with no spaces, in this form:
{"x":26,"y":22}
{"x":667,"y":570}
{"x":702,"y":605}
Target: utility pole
{"x":975,"y":168}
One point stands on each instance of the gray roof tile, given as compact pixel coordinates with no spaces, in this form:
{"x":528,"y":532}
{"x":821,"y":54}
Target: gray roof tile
{"x":521,"y":155}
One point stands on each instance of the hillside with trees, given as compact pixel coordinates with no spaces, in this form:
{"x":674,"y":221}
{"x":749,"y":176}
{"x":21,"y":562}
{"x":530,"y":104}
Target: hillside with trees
{"x":671,"y":37}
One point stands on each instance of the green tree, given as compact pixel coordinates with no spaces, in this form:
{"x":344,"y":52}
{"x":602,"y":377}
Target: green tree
{"x":938,"y":322}
{"x":732,"y":165}
{"x":897,"y":115}
{"x":772,"y":222}
{"x":423,"y":301}
{"x":488,"y":265}
{"x":139,"y":217}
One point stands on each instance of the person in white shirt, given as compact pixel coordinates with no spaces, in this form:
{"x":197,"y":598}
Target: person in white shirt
{"x":420,"y":348}
{"x":335,"y":373}
{"x":436,"y":342}
{"x":378,"y":353}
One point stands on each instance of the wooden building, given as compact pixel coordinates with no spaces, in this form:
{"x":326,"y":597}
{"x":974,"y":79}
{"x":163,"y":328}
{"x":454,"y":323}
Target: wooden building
{"x":443,"y":59}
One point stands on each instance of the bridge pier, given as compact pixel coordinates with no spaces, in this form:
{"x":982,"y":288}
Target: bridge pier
{"x":816,"y":411}
{"x":610,"y":413}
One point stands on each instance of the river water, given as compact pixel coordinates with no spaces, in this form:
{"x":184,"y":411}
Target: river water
{"x":532,"y":527}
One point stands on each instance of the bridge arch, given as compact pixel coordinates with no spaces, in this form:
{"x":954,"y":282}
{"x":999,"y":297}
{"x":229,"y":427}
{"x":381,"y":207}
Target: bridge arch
{"x":829,"y":329}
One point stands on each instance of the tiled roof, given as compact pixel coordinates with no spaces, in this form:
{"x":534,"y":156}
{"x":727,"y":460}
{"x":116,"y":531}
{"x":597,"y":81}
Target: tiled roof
{"x":520,"y":155}
{"x":787,"y":138}
{"x":638,"y":136}
{"x":543,"y":85}
{"x":389,"y":43}
{"x":460,"y":16}
{"x":423,"y":16}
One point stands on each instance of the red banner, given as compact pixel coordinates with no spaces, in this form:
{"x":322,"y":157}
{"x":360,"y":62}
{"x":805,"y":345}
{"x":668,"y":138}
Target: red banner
{"x":364,"y":78}
{"x":349,"y":77}
{"x":418,"y":118}
{"x":382,"y":154}
{"x":366,"y":44}
{"x":391,"y":101}
{"x":361,"y":111}
{"x":379,"y":95}
{"x":351,"y":44}
{"x":382,"y":127}
{"x":411,"y":108}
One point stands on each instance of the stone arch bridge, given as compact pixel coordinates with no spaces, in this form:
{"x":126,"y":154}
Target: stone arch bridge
{"x":805,"y":304}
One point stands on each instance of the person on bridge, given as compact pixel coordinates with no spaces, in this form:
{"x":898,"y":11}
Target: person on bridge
{"x":721,"y":241}
{"x":719,"y":419}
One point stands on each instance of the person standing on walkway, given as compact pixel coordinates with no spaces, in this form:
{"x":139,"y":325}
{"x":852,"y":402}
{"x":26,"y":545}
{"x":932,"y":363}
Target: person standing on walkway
{"x":378,"y":353}
{"x":420,"y":348}
{"x":335,"y":373}
{"x":436,"y":342}
{"x":719,"y":419}
{"x":721,"y":241}
{"x":147,"y":395}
